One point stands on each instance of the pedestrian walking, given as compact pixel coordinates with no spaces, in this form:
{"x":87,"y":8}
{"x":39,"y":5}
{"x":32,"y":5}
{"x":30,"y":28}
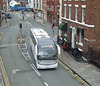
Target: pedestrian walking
{"x":6,"y":17}
{"x":23,"y":17}
{"x":34,"y":15}
{"x":3,"y":16}
{"x":23,"y":14}
{"x":54,"y":23}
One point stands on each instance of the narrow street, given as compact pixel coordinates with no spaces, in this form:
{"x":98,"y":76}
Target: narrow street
{"x":21,"y":71}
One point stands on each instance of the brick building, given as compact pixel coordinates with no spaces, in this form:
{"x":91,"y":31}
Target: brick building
{"x":0,"y":13}
{"x":83,"y":24}
{"x":3,"y":7}
{"x":52,"y":11}
{"x":38,"y":7}
{"x":45,"y":9}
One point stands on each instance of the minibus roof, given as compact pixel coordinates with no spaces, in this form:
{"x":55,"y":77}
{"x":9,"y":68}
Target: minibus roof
{"x":42,"y":41}
{"x":39,"y":32}
{"x":42,"y":36}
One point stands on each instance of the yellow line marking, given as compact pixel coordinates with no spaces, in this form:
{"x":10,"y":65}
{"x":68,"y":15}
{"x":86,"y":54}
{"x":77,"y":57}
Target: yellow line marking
{"x":1,"y":35}
{"x":4,"y":72}
{"x":75,"y":75}
{"x":8,"y":23}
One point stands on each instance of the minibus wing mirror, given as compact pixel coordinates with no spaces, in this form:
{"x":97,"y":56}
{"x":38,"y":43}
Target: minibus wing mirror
{"x":58,"y":47}
{"x":36,"y":49}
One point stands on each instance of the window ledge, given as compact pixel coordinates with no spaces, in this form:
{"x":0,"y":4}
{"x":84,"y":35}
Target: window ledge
{"x":77,"y":22}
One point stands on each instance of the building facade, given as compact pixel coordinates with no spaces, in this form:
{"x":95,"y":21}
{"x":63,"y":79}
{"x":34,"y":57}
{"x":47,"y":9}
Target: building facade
{"x":38,"y":7}
{"x":0,"y":13}
{"x":83,"y":24}
{"x":45,"y":9}
{"x":3,"y":7}
{"x":52,"y":11}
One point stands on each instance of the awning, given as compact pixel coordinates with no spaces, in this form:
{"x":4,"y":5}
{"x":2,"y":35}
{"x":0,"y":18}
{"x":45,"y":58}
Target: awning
{"x":36,"y":11}
{"x":63,"y":26}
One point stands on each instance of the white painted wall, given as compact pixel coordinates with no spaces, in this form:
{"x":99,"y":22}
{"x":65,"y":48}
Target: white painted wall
{"x":13,"y":3}
{"x":73,"y":37}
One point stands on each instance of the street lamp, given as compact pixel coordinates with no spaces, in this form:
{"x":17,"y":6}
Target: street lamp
{"x":58,"y":7}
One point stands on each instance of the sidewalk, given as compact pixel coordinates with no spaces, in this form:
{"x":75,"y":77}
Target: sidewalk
{"x":87,"y":71}
{"x":3,"y":25}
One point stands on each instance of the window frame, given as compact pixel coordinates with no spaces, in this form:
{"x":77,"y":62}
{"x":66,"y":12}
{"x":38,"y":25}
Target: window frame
{"x":65,"y":6}
{"x":69,"y":11}
{"x":76,"y":12}
{"x":83,"y":13}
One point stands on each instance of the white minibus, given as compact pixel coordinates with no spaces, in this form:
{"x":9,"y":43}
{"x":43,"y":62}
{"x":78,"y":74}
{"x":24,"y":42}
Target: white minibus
{"x":44,"y":49}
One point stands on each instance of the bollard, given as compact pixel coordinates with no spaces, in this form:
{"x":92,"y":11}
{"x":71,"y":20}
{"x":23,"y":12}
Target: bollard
{"x":90,"y":50}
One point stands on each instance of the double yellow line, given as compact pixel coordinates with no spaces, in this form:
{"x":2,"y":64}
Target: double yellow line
{"x":1,"y":35}
{"x":4,"y":72}
{"x":74,"y":74}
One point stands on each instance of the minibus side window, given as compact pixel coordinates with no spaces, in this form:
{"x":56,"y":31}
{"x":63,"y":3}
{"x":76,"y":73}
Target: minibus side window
{"x":32,"y":37}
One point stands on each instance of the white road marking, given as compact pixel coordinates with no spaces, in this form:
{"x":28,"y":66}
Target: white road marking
{"x":18,"y":15}
{"x":29,"y":23}
{"x":25,"y":45}
{"x":46,"y":84}
{"x":24,"y":55}
{"x":8,"y":45}
{"x":36,"y":71}
{"x":19,"y":46}
{"x":28,"y":55}
{"x":15,"y":70}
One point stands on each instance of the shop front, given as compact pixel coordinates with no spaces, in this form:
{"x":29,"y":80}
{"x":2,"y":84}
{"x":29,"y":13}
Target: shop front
{"x":62,"y":33}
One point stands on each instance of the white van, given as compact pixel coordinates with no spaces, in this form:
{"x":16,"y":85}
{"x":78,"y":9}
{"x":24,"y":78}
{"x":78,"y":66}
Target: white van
{"x":44,"y":49}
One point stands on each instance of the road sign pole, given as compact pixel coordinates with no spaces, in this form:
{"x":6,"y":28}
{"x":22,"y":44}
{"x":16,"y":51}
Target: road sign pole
{"x":20,"y":25}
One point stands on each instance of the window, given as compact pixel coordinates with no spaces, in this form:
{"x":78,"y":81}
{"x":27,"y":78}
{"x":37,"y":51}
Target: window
{"x":48,"y":7}
{"x":69,"y":11}
{"x":65,"y":10}
{"x":76,"y":0}
{"x":40,"y":5}
{"x":83,"y":0}
{"x":83,"y":13}
{"x":34,"y":5}
{"x":32,"y":37}
{"x":52,"y":8}
{"x":76,"y":12}
{"x":80,"y":37}
{"x":37,"y":5}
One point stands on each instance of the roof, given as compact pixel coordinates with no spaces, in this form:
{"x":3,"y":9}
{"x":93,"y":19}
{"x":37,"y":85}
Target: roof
{"x":42,"y":36}
{"x":39,"y":32}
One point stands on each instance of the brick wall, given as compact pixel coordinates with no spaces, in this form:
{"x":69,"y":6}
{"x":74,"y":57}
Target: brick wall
{"x":45,"y":9}
{"x":0,"y":13}
{"x":92,"y":17}
{"x":53,"y":13}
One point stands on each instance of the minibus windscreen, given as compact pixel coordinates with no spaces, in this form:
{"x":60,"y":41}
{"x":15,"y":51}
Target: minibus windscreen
{"x":47,"y":51}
